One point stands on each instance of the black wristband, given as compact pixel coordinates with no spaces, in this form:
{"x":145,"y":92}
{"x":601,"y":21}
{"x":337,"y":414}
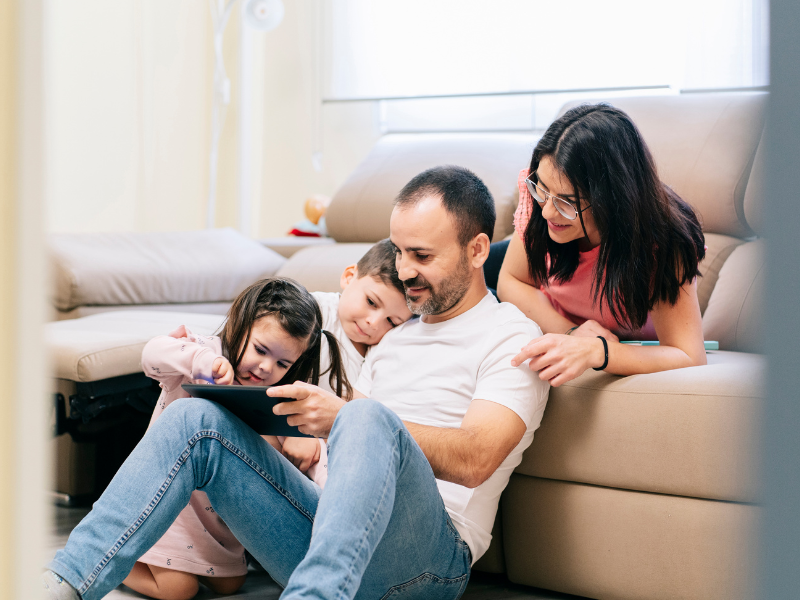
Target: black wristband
{"x":605,"y":348}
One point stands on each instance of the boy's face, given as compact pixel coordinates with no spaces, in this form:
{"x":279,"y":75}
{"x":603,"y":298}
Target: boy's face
{"x":369,"y":308}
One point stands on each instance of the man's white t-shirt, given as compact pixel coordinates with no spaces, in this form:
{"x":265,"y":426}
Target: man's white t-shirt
{"x":430,"y":373}
{"x":329,"y":306}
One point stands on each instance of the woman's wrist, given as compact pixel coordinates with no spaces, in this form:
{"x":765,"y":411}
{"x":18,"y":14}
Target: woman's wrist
{"x":602,"y":361}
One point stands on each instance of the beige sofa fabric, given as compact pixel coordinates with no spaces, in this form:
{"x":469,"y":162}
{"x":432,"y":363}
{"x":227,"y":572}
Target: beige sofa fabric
{"x":320,"y":269}
{"x":620,"y":545}
{"x":754,"y":195}
{"x":208,"y":308}
{"x":156,"y":268}
{"x":110,"y":344}
{"x":687,"y":433}
{"x":360,"y":209}
{"x":719,"y":248}
{"x":735,"y":312}
{"x":703,"y":145}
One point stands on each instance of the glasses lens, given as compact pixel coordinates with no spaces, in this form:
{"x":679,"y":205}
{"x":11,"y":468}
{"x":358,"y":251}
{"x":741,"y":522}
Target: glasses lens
{"x":533,"y":192}
{"x":565,"y":208}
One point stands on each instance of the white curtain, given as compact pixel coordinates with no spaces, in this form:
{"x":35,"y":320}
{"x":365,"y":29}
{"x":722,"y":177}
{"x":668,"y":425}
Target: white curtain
{"x":377,"y":48}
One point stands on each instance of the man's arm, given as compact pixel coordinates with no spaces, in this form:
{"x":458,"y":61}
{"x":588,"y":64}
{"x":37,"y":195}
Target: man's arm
{"x":470,"y":454}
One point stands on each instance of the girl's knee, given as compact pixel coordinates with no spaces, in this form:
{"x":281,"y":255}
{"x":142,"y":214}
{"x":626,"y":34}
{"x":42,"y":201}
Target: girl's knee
{"x":162,"y":583}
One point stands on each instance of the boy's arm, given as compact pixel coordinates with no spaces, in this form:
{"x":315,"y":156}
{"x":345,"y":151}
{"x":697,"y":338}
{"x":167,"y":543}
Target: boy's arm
{"x":173,"y":359}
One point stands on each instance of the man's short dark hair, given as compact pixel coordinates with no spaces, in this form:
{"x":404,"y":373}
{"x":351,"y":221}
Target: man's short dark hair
{"x":464,"y":196}
{"x":379,"y":262}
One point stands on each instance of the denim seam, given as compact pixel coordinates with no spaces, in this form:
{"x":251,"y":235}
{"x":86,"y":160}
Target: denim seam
{"x":192,"y":442}
{"x":430,"y":576}
{"x":370,"y":525}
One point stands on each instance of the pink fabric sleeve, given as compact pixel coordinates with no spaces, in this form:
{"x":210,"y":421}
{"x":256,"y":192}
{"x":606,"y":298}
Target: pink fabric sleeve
{"x":318,"y":472}
{"x":525,"y":207}
{"x":172,"y":359}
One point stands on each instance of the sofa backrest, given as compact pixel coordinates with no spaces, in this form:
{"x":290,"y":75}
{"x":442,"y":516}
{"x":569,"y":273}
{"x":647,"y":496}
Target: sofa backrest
{"x":704,"y":146}
{"x":95,"y":272}
{"x":735,"y":313}
{"x":360,"y":209}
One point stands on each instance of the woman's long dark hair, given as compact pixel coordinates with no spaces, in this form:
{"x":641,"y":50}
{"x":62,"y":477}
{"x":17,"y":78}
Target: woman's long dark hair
{"x":650,"y":239}
{"x":298,"y":313}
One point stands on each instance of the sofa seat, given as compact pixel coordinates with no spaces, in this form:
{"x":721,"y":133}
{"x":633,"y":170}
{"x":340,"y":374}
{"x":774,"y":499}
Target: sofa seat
{"x":688,"y":432}
{"x":642,"y":486}
{"x":603,"y":542}
{"x":110,"y":344}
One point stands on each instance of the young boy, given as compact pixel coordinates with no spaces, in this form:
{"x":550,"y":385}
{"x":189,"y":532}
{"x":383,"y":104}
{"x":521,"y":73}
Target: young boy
{"x":371,"y":303}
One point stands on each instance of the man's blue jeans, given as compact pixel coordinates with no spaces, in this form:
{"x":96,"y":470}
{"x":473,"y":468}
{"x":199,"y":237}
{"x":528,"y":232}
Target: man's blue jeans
{"x":380,"y":530}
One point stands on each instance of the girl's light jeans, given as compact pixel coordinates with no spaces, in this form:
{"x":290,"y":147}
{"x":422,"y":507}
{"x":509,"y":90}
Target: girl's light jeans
{"x":380,"y":530}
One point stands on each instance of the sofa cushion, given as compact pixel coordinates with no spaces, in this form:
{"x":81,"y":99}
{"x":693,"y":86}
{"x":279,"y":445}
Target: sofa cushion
{"x":718,"y":249}
{"x":110,"y":344}
{"x":686,"y":432}
{"x":600,"y":542}
{"x":319,"y":269}
{"x":735,"y":312}
{"x":754,"y":194}
{"x":156,"y":268}
{"x":703,"y":145}
{"x":360,"y":209}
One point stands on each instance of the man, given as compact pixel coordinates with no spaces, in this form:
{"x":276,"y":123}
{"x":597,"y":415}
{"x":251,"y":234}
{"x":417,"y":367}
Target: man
{"x":415,"y":473}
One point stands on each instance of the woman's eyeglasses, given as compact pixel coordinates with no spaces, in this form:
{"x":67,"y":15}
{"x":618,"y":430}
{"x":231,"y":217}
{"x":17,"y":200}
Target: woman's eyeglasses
{"x":567,"y":209}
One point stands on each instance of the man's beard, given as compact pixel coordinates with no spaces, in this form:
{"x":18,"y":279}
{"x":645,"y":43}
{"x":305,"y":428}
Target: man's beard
{"x":445,"y":296}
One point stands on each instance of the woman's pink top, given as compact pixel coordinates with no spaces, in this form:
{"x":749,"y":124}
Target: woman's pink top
{"x":198,"y":541}
{"x":573,"y":299}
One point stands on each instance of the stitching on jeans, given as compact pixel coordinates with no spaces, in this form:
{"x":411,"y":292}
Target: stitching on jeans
{"x":214,"y":435}
{"x":138,"y":522}
{"x":431,"y":577}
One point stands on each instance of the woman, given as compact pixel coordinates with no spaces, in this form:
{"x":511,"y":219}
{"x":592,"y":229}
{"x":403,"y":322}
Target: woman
{"x":607,"y":252}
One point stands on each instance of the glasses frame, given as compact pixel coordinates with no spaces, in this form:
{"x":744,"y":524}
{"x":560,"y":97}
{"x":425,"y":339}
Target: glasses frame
{"x":541,"y":196}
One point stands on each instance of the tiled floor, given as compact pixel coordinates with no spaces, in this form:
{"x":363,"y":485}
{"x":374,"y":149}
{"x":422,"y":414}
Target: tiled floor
{"x":259,"y":586}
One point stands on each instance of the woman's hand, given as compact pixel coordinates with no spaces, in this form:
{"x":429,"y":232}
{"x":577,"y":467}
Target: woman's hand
{"x":222,"y":371}
{"x":560,"y":358}
{"x":592,"y":329}
{"x":303,"y":453}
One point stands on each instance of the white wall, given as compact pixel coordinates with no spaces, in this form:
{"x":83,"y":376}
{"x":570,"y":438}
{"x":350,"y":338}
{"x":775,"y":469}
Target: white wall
{"x":128,"y":128}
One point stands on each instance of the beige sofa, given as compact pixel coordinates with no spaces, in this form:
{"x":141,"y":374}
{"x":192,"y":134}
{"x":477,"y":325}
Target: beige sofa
{"x":111,"y":294}
{"x":634,"y":487}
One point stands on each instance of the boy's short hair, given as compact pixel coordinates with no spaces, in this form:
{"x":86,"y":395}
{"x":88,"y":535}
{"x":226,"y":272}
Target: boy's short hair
{"x":379,"y":262}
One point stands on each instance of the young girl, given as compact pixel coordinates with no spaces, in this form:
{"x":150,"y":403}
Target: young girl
{"x":272,"y":335}
{"x":604,"y":251}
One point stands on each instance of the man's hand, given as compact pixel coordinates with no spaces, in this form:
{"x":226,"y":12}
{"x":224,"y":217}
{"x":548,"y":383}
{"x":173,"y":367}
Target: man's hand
{"x":301,"y":452}
{"x":222,"y":371}
{"x":313,"y":410}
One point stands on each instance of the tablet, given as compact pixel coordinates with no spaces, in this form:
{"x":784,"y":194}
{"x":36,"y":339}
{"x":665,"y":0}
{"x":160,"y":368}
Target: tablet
{"x":250,"y":403}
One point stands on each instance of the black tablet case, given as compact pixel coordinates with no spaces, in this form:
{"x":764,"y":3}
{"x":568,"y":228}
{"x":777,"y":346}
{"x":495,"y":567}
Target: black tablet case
{"x":251,"y":404}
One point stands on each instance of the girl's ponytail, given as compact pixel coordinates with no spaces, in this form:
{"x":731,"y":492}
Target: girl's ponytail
{"x":337,"y":369}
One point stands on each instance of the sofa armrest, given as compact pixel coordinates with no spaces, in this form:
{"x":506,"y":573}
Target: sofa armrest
{"x":688,"y":432}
